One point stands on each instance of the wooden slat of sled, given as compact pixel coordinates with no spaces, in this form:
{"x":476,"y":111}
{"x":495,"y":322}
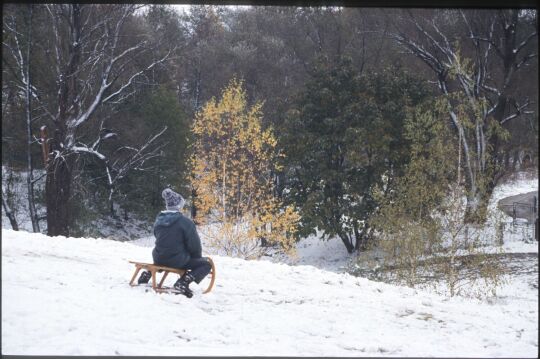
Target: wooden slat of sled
{"x":154,"y":269}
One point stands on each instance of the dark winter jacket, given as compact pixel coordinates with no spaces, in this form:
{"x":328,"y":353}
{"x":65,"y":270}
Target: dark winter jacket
{"x":176,"y":240}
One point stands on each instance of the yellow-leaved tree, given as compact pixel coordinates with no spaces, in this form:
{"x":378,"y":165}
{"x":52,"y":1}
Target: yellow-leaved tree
{"x":232,"y":162}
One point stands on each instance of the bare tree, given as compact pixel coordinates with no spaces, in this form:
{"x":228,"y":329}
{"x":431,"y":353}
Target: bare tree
{"x":21,"y":57}
{"x":7,"y":94}
{"x":124,"y":159}
{"x":475,"y":72}
{"x":96,"y":62}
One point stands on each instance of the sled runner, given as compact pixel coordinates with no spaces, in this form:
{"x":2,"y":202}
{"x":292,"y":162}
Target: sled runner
{"x":154,"y":269}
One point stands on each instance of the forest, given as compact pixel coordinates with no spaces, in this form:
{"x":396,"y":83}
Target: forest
{"x":273,"y":122}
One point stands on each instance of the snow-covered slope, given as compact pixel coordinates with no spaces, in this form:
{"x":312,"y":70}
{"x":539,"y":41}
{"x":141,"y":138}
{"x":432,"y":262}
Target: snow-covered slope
{"x":70,"y":296}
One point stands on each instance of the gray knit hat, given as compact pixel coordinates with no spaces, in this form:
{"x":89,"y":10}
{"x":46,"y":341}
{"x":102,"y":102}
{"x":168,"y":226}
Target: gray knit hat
{"x":173,"y":200}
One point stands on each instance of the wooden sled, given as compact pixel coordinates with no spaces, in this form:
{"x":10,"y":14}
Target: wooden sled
{"x":154,"y":269}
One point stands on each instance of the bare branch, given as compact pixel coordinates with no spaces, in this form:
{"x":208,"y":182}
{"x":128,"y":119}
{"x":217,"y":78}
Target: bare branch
{"x":490,"y":41}
{"x":127,"y":51}
{"x":419,"y":51}
{"x":519,"y":111}
{"x":524,"y":42}
{"x":81,"y":148}
{"x":98,"y":141}
{"x":525,"y":59}
{"x":130,"y":81}
{"x":39,"y":177}
{"x":446,"y":51}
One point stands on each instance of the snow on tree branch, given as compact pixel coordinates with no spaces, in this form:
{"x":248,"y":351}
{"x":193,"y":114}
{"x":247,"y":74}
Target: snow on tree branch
{"x":130,"y":81}
{"x":524,"y":42}
{"x":119,"y":168}
{"x":519,"y":111}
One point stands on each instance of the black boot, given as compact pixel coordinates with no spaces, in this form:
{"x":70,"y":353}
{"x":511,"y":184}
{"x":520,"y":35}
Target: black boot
{"x":145,"y":277}
{"x":182,"y":285}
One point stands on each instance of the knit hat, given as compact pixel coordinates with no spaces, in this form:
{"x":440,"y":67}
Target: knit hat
{"x":173,"y":200}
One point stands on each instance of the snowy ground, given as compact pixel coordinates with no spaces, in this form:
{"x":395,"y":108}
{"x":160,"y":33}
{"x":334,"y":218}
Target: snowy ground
{"x":70,"y":296}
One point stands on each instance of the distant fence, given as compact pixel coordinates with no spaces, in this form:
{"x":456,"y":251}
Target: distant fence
{"x":526,"y":211}
{"x":524,"y":231}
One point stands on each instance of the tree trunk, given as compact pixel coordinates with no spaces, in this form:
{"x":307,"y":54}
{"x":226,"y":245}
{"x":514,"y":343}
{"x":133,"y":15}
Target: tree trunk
{"x":58,"y":188}
{"x":29,"y":136}
{"x":9,"y":213}
{"x":193,"y":205}
{"x":347,"y":242}
{"x":478,"y":199}
{"x":474,"y":209}
{"x":111,"y":207}
{"x":111,"y":202}
{"x":359,"y":240}
{"x":198,"y":86}
{"x":477,"y":203}
{"x":362,"y":237}
{"x":30,"y":188}
{"x":59,"y":176}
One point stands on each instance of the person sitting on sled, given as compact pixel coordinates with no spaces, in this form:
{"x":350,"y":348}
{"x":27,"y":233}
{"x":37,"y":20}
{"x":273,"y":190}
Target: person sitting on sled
{"x":177,"y":244}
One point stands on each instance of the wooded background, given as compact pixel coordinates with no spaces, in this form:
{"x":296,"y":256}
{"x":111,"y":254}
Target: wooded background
{"x":118,"y":87}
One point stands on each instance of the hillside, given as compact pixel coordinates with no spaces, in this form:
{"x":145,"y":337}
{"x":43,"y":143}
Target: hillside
{"x":70,"y":296}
